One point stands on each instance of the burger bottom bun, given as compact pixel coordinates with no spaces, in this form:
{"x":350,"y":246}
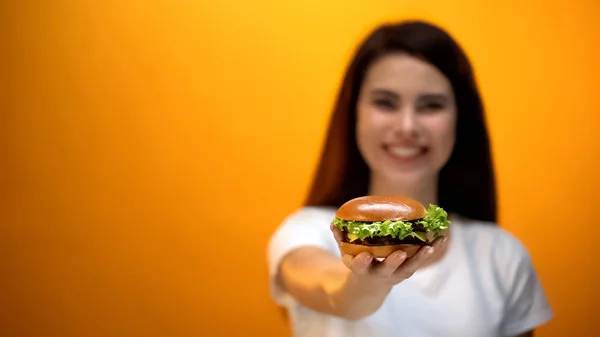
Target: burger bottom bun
{"x":379,"y":251}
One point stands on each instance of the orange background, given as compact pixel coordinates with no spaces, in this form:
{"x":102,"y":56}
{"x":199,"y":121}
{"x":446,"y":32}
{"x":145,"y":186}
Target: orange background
{"x":135,"y":132}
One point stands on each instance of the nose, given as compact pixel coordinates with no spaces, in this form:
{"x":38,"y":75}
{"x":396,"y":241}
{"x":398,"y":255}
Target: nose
{"x":406,"y":123}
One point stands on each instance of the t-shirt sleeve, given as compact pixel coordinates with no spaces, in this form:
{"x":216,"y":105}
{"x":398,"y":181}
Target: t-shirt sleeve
{"x":526,"y":305}
{"x":308,"y":226}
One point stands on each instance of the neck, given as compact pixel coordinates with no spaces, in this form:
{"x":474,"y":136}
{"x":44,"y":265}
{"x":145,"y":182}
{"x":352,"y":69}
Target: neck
{"x":424,"y":191}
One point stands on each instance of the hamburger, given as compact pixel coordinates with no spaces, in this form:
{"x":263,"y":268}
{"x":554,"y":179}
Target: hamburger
{"x":380,"y":225}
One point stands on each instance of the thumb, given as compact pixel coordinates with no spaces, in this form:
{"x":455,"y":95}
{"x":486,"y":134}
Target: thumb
{"x":337,"y":233}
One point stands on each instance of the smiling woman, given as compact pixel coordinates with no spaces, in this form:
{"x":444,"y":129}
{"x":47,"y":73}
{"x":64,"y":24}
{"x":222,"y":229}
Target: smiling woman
{"x":408,"y":122}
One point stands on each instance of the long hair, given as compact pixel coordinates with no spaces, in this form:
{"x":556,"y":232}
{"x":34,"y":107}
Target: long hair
{"x":466,"y":184}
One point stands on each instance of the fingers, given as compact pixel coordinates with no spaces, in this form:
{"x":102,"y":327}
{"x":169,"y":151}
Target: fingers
{"x":439,"y":242}
{"x":389,"y":265}
{"x":364,"y":264}
{"x":408,"y":268}
{"x":359,"y":264}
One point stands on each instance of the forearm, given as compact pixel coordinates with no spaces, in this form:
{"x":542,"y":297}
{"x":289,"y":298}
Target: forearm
{"x":330,"y":287}
{"x":356,"y":298}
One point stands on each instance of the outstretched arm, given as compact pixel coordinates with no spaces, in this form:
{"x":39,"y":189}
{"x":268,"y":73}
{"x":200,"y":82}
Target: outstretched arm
{"x":353,"y":287}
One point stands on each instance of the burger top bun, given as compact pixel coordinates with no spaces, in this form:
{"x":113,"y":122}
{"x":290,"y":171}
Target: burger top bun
{"x":380,"y":208}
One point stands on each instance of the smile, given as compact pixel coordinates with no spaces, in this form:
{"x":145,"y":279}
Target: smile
{"x":405,"y":153}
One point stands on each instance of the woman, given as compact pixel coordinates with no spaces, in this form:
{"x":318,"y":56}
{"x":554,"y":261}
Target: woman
{"x":408,"y":121}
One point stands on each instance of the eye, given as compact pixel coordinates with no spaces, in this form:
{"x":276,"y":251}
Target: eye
{"x":431,"y":107}
{"x":384,"y":103}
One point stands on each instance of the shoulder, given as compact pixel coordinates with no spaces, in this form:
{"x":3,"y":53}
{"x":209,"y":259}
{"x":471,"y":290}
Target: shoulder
{"x":305,"y":226}
{"x":495,"y":252}
{"x":305,"y":221}
{"x":489,"y":237}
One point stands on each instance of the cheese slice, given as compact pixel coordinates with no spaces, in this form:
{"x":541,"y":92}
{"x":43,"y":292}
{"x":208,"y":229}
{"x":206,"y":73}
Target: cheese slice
{"x":352,"y":237}
{"x":420,"y":235}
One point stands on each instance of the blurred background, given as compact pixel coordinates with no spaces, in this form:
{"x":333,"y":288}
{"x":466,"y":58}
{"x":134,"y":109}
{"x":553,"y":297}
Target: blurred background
{"x":149,"y":149}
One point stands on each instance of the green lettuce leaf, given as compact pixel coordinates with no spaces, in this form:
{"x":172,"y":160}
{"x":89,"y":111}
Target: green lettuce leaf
{"x":436,"y":220}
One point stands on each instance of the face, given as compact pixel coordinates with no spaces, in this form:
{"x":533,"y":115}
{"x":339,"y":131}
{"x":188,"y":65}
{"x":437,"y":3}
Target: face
{"x":406,"y":118}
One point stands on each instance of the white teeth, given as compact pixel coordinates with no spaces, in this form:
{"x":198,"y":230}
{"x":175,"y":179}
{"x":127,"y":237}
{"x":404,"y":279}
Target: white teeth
{"x":405,"y":151}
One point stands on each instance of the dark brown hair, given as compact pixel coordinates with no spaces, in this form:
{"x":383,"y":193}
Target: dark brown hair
{"x":466,"y":183}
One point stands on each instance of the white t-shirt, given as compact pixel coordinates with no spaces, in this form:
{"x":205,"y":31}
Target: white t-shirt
{"x":484,"y":286}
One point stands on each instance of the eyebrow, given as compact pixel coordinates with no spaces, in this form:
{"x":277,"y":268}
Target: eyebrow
{"x":435,"y":97}
{"x":385,"y":92}
{"x":428,"y":96}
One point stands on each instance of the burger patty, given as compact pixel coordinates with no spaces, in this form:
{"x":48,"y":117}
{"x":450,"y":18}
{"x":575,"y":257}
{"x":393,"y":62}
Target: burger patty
{"x":388,"y":239}
{"x":383,"y":240}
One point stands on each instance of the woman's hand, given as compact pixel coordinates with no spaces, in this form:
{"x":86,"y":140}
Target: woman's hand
{"x":393,"y":269}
